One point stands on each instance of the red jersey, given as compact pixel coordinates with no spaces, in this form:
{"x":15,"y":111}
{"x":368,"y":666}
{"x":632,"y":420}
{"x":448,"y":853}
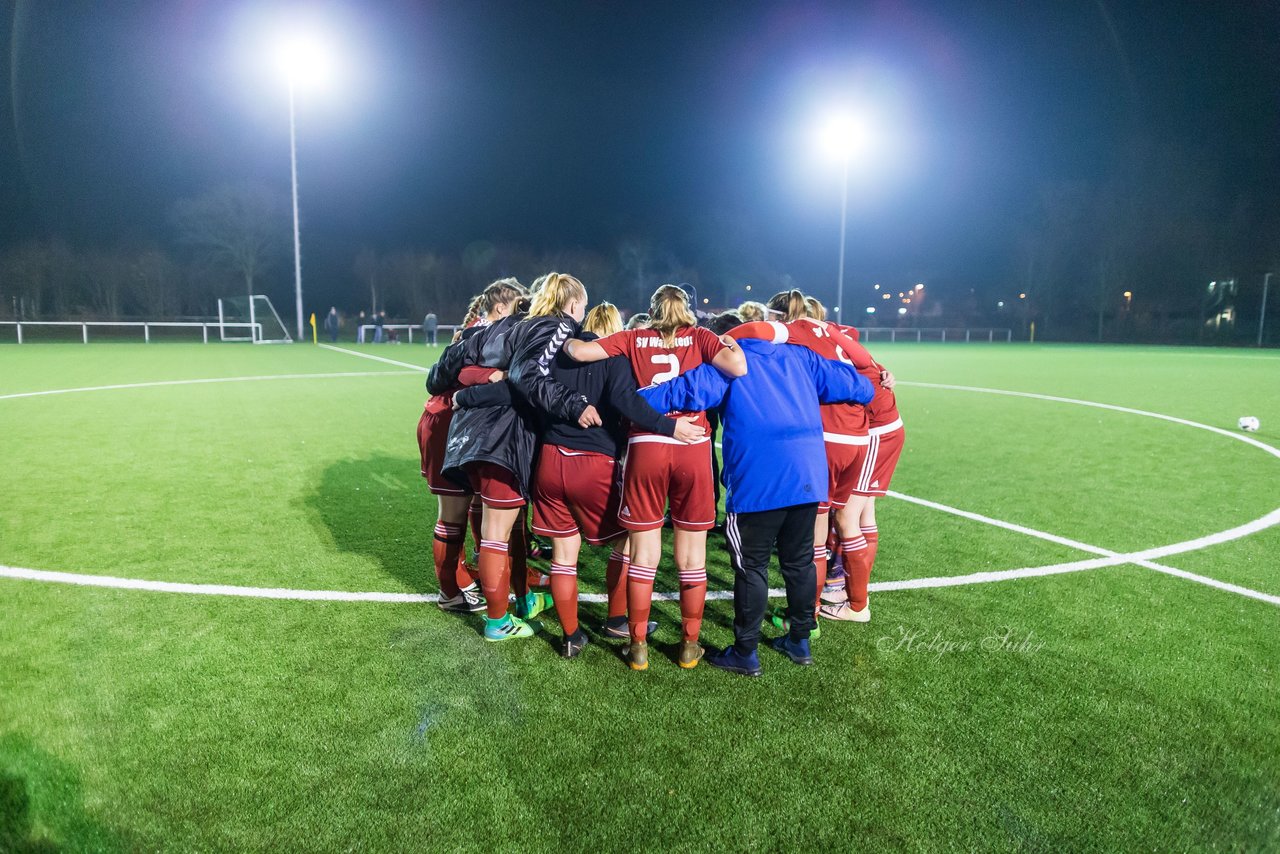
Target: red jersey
{"x":829,"y":342}
{"x":653,"y":362}
{"x":883,"y":408}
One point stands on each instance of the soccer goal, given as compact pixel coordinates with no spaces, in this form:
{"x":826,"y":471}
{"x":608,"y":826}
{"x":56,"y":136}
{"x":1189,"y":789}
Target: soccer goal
{"x":251,"y":318}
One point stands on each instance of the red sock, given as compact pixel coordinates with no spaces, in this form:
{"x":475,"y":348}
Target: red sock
{"x":856,"y":571}
{"x":639,"y":600}
{"x":693,"y":598}
{"x":564,"y":591}
{"x":820,"y":563}
{"x":873,"y":541}
{"x":494,"y":571}
{"x":615,"y":582}
{"x":446,"y":549}
{"x":519,"y":555}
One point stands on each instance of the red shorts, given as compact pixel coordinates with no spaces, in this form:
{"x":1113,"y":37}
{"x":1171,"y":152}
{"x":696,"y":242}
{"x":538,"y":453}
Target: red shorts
{"x":576,"y":492}
{"x":844,"y":465}
{"x":496,"y":486}
{"x":882,"y":458}
{"x":658,"y":470}
{"x":433,"y":433}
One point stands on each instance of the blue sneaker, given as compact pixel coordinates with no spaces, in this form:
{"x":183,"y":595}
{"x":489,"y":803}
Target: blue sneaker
{"x":509,"y":628}
{"x":733,"y":661}
{"x":796,"y":650}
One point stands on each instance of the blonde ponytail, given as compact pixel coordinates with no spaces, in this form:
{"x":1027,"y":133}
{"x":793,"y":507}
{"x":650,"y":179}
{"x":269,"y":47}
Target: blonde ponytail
{"x":669,"y":312}
{"x":603,"y":320}
{"x":553,"y":292}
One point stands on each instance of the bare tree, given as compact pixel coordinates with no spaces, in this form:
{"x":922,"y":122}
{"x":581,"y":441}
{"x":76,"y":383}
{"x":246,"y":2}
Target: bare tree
{"x":238,"y":226}
{"x":367,"y":268}
{"x":155,"y":280}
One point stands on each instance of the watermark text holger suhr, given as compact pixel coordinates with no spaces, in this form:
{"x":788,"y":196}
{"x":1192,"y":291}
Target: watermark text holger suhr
{"x":921,"y":642}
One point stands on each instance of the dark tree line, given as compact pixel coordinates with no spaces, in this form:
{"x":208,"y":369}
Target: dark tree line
{"x":1159,"y":229}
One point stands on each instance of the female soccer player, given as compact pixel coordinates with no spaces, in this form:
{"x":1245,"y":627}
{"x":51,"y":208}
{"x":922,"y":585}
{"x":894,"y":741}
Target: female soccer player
{"x":457,"y":588}
{"x":659,"y":469}
{"x":886,"y":437}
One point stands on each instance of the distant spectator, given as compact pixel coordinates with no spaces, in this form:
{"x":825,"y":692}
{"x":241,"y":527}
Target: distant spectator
{"x":638,"y":321}
{"x":360,"y":324}
{"x":751,"y":311}
{"x":379,"y":320}
{"x":331,"y":323}
{"x":429,"y":326}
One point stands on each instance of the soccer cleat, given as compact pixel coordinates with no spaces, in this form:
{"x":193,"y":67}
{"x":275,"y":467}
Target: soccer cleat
{"x":778,"y":619}
{"x":690,"y":654}
{"x":731,"y":660}
{"x":796,"y":650}
{"x":508,"y":628}
{"x":844,"y":613}
{"x":533,"y":603}
{"x":834,"y":594}
{"x":539,"y":548}
{"x":638,"y":656}
{"x":574,"y":644}
{"x":617,"y":627}
{"x":468,"y":601}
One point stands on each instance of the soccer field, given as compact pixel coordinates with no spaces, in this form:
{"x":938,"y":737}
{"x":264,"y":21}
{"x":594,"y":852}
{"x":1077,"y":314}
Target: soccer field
{"x":215,"y":631}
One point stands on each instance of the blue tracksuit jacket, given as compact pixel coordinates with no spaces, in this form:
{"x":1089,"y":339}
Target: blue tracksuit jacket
{"x":773,"y":451}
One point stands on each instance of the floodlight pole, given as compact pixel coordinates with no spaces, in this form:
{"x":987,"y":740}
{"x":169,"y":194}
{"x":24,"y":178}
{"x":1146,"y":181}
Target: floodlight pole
{"x":297,"y":243}
{"x":844,"y":213}
{"x":1262,"y":316}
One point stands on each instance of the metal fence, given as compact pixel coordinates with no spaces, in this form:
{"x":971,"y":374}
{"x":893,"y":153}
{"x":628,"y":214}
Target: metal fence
{"x":145,"y":325}
{"x":365,"y":332}
{"x":937,"y":333}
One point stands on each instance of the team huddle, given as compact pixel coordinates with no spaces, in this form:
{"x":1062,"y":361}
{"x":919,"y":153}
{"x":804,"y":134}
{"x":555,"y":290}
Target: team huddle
{"x":606,"y":435}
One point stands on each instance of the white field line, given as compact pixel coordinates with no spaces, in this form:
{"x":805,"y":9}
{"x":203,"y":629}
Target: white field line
{"x":1106,"y":558}
{"x":1239,"y":437}
{"x":1111,"y":558}
{"x":417,"y":368}
{"x":160,"y":383}
{"x":84,"y":580}
{"x":1144,"y":557}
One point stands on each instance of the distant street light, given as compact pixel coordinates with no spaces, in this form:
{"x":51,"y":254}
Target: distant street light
{"x":304,"y":62}
{"x":843,"y":136}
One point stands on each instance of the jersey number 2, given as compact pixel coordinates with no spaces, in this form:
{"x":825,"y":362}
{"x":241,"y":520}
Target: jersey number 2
{"x":672,"y":371}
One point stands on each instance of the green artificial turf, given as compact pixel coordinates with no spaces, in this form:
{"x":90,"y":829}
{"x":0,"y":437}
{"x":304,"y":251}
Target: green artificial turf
{"x":1118,"y":708}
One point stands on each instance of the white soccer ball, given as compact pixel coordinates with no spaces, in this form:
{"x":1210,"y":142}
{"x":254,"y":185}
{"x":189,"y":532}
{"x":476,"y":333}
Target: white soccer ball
{"x":1249,"y":424}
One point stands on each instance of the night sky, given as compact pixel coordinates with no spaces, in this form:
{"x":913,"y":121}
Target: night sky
{"x":568,"y":124}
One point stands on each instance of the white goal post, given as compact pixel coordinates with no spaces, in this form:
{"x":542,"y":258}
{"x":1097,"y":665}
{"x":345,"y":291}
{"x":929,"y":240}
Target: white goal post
{"x":253,"y":314}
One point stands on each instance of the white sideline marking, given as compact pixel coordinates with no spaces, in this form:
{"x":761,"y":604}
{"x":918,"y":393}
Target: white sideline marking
{"x":1008,"y":526}
{"x":160,"y":383}
{"x":417,"y":368}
